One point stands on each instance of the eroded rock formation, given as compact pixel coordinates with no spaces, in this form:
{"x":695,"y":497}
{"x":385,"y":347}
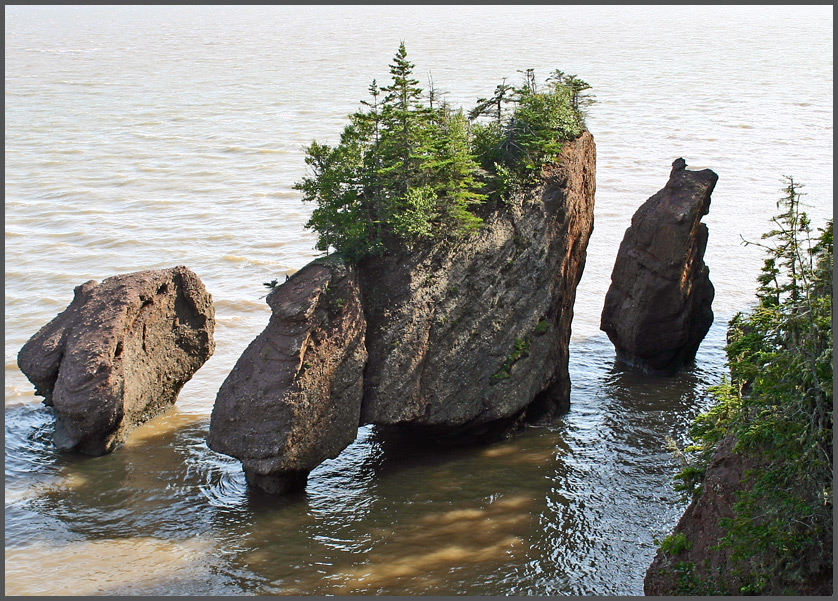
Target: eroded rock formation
{"x":294,"y":397}
{"x":119,"y":354}
{"x":700,"y":526}
{"x":464,"y":340}
{"x":466,"y":337}
{"x":658,"y":308}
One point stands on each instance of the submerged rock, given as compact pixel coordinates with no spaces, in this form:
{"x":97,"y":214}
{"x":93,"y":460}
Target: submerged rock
{"x":465,"y":340}
{"x":658,"y":308}
{"x":119,"y":354}
{"x":293,"y":399}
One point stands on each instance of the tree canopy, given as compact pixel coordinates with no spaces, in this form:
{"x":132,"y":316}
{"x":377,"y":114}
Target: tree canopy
{"x":409,"y":168}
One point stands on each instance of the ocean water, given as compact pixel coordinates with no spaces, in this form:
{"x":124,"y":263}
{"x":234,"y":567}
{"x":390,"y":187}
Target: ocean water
{"x":148,"y":137}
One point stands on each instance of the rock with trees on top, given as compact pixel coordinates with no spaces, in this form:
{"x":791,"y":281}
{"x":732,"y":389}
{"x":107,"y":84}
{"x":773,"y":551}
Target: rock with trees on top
{"x":465,"y":239}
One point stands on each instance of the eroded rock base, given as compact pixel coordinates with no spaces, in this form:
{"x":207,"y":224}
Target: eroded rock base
{"x":281,"y":483}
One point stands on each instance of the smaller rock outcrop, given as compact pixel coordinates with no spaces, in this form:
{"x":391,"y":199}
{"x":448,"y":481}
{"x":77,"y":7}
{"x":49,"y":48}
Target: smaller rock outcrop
{"x":699,"y":564}
{"x":700,"y":527}
{"x":658,"y":308}
{"x":119,"y":354}
{"x":293,"y":398}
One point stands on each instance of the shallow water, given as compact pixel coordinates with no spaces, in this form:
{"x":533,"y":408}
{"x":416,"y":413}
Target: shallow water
{"x":142,"y":138}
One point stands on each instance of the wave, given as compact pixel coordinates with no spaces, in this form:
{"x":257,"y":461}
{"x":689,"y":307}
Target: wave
{"x":243,"y":261}
{"x":63,"y":50}
{"x":273,"y":151}
{"x":223,"y":305}
{"x":82,"y":83}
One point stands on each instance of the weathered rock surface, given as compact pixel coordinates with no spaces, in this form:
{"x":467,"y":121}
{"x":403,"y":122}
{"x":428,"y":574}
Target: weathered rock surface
{"x":700,"y":525}
{"x":464,"y":340}
{"x":658,"y":308}
{"x":294,"y":397}
{"x":119,"y":354}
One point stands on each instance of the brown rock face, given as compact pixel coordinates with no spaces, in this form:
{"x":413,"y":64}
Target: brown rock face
{"x":700,"y":525}
{"x":658,"y":308}
{"x":119,"y":354}
{"x":464,"y":340}
{"x":703,"y":564}
{"x":294,"y":397}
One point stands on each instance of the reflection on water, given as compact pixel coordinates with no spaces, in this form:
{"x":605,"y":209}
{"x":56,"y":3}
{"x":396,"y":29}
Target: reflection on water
{"x":566,"y":509}
{"x":102,"y":567}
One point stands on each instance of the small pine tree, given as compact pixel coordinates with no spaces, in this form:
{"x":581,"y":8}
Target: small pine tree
{"x":404,"y":140}
{"x":452,"y":171}
{"x":493,"y":106}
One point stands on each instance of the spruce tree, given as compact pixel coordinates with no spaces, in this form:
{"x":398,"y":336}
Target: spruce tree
{"x":404,"y":172}
{"x":452,"y":171}
{"x":405,"y":119}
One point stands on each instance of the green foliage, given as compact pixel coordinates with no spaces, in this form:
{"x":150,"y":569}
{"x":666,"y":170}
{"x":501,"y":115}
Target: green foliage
{"x":541,"y":327}
{"x":335,"y":303}
{"x":675,"y":543}
{"x":516,"y":144}
{"x":520,"y":350}
{"x":405,"y":172}
{"x":401,"y":174}
{"x":416,"y":214}
{"x":688,"y":580}
{"x":778,"y":407}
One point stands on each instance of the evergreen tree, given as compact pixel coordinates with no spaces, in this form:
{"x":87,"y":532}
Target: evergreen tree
{"x":452,"y":171}
{"x":342,"y":217}
{"x":404,"y":140}
{"x":514,"y":147}
{"x":373,"y":186}
{"x":493,"y":106}
{"x":777,"y":406}
{"x":404,"y":171}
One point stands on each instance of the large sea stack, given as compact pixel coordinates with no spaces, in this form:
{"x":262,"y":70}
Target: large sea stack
{"x":458,"y":342}
{"x":658,"y":308}
{"x":119,"y":354}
